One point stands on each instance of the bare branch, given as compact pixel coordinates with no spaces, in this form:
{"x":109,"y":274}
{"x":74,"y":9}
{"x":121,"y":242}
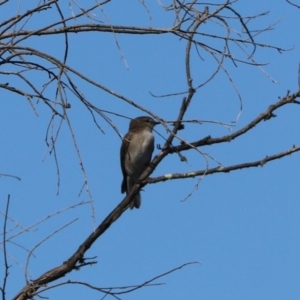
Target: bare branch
{"x":6,"y":273}
{"x":222,"y":169}
{"x":268,"y":114}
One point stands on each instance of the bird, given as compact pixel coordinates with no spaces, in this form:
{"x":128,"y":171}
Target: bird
{"x":136,"y":152}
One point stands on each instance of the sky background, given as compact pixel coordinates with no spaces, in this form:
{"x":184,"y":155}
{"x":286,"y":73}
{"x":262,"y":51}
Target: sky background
{"x":242,"y":227}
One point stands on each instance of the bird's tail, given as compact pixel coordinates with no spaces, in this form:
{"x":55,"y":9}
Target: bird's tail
{"x":136,"y":202}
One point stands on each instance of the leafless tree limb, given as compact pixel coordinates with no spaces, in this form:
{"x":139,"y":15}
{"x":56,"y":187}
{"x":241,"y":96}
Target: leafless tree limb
{"x":298,"y":6}
{"x":116,"y":291}
{"x":6,"y":266}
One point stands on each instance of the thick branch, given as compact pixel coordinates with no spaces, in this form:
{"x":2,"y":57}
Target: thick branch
{"x":77,"y":259}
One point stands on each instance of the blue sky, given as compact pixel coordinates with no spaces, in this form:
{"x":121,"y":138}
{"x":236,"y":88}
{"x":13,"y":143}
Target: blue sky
{"x":242,"y":227}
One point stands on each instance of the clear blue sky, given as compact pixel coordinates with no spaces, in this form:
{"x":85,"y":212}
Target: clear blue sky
{"x":242,"y":227}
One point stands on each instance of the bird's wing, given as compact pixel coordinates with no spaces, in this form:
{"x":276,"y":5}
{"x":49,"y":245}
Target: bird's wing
{"x":123,"y":152}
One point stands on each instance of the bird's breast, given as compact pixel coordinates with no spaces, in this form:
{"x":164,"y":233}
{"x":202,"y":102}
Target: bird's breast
{"x":140,"y":150}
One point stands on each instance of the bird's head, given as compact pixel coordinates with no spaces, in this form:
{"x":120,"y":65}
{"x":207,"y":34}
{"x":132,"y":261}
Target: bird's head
{"x":142,"y":123}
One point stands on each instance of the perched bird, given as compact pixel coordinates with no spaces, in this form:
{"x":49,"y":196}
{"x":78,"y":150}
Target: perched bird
{"x":136,"y":152}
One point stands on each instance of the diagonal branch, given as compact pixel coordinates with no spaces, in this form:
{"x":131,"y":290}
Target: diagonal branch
{"x":268,"y":114}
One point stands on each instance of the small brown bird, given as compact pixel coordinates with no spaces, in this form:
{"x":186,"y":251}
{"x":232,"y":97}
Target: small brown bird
{"x":136,"y":152}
